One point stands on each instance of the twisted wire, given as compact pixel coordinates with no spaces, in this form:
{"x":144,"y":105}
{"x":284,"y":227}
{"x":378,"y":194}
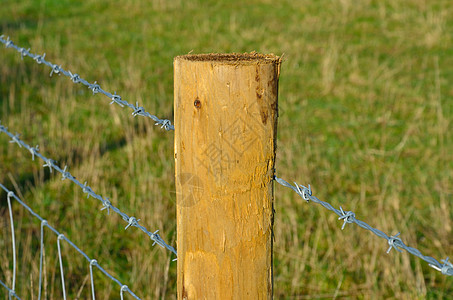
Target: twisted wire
{"x":51,"y":164}
{"x":137,"y":110}
{"x":394,"y":242}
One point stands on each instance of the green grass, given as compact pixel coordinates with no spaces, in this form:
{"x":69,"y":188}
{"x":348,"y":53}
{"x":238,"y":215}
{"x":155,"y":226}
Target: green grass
{"x":366,"y":112}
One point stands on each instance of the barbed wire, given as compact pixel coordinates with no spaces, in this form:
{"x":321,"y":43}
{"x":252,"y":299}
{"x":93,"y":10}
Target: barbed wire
{"x":393,"y":241}
{"x":94,"y":87}
{"x":60,"y":236}
{"x":51,"y":164}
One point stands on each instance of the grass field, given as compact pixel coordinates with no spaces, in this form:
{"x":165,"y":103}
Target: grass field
{"x":366,"y":118}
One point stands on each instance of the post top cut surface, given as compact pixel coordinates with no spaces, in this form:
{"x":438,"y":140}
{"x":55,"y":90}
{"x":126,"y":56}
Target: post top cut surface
{"x":232,"y":58}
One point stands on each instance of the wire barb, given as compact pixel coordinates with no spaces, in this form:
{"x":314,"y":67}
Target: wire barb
{"x":86,"y":189}
{"x":138,"y":110}
{"x":33,"y":151}
{"x":106,"y":203}
{"x":74,"y":77}
{"x":49,"y":163}
{"x":393,"y":241}
{"x":166,"y":124}
{"x":117,"y":99}
{"x":24,"y":52}
{"x":55,"y":69}
{"x":156,"y":238}
{"x":347,"y":217}
{"x":15,"y":139}
{"x":132,"y":222}
{"x":65,"y":174}
{"x":40,"y":58}
{"x":304,"y":192}
{"x":8,"y":43}
{"x":94,"y":87}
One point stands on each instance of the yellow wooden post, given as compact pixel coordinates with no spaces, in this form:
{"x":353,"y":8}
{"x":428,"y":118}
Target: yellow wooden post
{"x":225,"y":141}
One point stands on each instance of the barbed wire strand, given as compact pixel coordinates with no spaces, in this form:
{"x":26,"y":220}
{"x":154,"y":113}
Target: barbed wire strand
{"x":94,"y":87}
{"x":131,"y":221}
{"x":61,"y":236}
{"x":394,"y":241}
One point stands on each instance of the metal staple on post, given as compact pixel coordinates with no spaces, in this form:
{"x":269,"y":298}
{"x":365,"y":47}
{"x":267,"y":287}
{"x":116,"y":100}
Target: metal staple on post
{"x":349,"y":217}
{"x":94,"y":87}
{"x":51,"y":164}
{"x":60,"y":236}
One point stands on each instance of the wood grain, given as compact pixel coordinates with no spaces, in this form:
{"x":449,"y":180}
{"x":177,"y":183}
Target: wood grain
{"x":225,"y":143}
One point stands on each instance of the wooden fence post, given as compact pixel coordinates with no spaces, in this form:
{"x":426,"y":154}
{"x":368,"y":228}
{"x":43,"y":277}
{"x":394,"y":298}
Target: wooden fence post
{"x":225,"y":141}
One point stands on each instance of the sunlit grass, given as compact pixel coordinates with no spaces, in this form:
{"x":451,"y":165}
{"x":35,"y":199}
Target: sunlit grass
{"x":365,"y":118}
